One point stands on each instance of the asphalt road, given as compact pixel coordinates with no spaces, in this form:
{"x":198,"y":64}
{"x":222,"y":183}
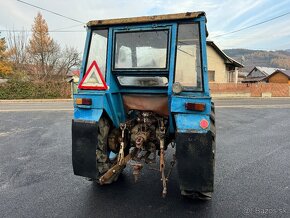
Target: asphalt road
{"x":252,"y":167}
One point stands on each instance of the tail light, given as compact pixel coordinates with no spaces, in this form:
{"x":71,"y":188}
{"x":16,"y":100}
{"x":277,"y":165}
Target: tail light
{"x":84,"y":101}
{"x":195,"y":106}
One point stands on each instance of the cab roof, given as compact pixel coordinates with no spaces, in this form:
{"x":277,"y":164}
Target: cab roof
{"x":146,"y":19}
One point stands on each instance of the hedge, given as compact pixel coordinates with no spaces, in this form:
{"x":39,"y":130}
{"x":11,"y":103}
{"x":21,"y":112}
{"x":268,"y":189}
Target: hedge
{"x":15,"y":89}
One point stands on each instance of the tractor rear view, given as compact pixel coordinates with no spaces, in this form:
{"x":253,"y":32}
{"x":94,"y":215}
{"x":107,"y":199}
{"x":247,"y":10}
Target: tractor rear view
{"x":144,"y":87}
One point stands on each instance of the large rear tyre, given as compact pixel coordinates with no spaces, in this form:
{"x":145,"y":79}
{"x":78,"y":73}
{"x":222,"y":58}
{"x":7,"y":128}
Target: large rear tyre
{"x":213,"y":130}
{"x":208,"y":195}
{"x":103,"y":162}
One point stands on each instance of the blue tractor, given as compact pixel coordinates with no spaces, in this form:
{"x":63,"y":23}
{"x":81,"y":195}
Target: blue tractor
{"x":144,"y":87}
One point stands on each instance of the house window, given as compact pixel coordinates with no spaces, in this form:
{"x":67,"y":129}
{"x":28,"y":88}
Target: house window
{"x":211,"y":75}
{"x":231,"y":77}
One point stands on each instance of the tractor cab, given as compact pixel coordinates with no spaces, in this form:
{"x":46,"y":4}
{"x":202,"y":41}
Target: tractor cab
{"x":144,"y":87}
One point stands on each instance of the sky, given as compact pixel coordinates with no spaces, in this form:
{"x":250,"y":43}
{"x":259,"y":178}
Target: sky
{"x":223,"y":16}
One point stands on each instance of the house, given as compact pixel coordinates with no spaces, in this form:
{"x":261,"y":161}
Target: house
{"x":73,"y":79}
{"x":242,"y":75}
{"x":221,"y":68}
{"x":279,"y":76}
{"x":259,"y":74}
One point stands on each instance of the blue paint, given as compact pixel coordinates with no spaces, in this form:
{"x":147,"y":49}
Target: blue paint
{"x":87,"y":114}
{"x":178,"y":104}
{"x":114,"y":108}
{"x":112,"y":156}
{"x":190,"y":123}
{"x":86,"y":53}
{"x":204,"y":55}
{"x":171,"y":74}
{"x":97,"y":99}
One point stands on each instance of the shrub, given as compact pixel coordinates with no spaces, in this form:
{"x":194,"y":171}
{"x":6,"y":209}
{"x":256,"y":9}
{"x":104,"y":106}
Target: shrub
{"x":15,"y":89}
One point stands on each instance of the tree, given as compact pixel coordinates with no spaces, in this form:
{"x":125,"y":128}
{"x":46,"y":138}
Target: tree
{"x":5,"y":67}
{"x":2,"y":48}
{"x":46,"y":57}
{"x":43,"y":50}
{"x":17,"y":50}
{"x":281,"y":62}
{"x":70,"y":58}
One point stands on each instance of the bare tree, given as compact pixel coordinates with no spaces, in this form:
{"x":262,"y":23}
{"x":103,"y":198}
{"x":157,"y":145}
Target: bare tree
{"x":70,"y":58}
{"x":17,"y":49}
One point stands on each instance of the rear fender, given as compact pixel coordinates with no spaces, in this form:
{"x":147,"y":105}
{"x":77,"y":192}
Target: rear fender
{"x":194,"y":153}
{"x":195,"y":161}
{"x":84,"y":144}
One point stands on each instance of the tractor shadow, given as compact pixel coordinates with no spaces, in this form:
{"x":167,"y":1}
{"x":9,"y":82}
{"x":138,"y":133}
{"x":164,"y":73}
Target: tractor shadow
{"x":125,"y":198}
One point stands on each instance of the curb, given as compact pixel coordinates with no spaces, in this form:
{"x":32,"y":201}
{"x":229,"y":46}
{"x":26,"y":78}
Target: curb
{"x":250,"y":98}
{"x":71,"y":100}
{"x":36,"y":100}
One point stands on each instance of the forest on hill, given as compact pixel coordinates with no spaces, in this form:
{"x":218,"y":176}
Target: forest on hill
{"x":250,"y":58}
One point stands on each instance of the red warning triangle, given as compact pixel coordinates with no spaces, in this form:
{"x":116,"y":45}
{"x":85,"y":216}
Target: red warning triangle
{"x":93,"y":79}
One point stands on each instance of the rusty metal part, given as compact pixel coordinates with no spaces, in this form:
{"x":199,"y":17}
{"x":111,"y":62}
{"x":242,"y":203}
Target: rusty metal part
{"x":157,"y":104}
{"x":146,"y":157}
{"x":145,"y":19}
{"x":161,"y":136}
{"x":113,"y":172}
{"x":140,"y":141}
{"x":122,"y":145}
{"x":136,"y":170}
{"x":162,"y":169}
{"x":140,"y":134}
{"x":121,"y":154}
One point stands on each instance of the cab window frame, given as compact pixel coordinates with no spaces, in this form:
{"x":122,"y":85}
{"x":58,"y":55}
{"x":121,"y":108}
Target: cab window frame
{"x":188,"y":88}
{"x":89,"y":48}
{"x":124,"y":71}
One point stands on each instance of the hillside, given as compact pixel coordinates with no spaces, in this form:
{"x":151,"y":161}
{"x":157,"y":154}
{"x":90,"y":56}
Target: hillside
{"x":251,"y":58}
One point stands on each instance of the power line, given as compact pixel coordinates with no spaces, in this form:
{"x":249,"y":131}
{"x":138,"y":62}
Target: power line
{"x":55,"y":13}
{"x":253,"y":25}
{"x":66,"y":27}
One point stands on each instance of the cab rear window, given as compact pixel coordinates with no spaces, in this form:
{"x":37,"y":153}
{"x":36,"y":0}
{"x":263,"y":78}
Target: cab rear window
{"x":141,"y":50}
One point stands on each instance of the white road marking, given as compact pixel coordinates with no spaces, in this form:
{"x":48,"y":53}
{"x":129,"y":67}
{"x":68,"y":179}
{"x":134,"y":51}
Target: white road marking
{"x":254,"y":106}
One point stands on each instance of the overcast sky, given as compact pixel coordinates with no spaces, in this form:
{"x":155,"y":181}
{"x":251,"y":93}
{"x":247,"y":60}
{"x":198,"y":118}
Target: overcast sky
{"x":223,"y":16}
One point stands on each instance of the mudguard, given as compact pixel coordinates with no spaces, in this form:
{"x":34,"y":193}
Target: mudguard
{"x":195,"y":161}
{"x":84,"y":144}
